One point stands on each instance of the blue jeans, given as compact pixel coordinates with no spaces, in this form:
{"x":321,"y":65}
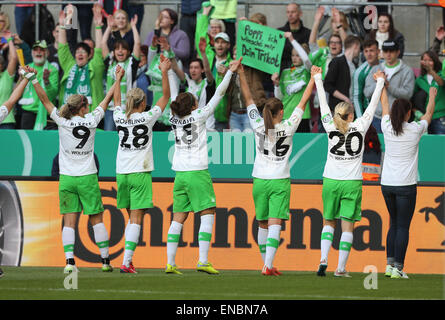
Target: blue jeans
{"x":401,"y":202}
{"x":377,"y":124}
{"x":437,"y":126}
{"x":21,"y":14}
{"x":109,"y":121}
{"x":239,"y":122}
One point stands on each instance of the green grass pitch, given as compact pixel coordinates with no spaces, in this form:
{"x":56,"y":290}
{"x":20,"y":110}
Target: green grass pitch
{"x":153,"y":284}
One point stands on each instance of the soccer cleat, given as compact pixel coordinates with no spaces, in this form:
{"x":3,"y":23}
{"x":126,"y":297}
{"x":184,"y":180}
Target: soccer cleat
{"x":343,"y":274}
{"x":322,"y":270}
{"x":70,"y":268}
{"x":169,"y":269}
{"x":398,"y":274}
{"x":125,"y":269}
{"x":270,"y":272}
{"x":206,"y":267}
{"x":132,"y":267}
{"x":107,"y":268}
{"x":388,"y":271}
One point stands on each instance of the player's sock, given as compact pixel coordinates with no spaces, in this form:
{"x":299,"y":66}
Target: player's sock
{"x":205,"y":236}
{"x":172,"y":241}
{"x":131,"y":240}
{"x":273,"y":240}
{"x":262,"y":240}
{"x":343,"y":250}
{"x":68,"y":237}
{"x":390,"y":261}
{"x":102,"y":240}
{"x":327,"y":235}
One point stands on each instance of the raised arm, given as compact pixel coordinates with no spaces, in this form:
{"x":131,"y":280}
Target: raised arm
{"x":62,"y":30}
{"x":384,"y":101}
{"x":117,"y":88}
{"x":324,"y":107}
{"x":205,"y":60}
{"x":30,"y":73}
{"x":300,"y":51}
{"x":317,"y":20}
{"x":110,"y":94}
{"x":165,"y":65}
{"x":106,"y":36}
{"x":379,"y":76}
{"x":245,"y":90}
{"x":428,"y":116}
{"x":136,"y":37}
{"x":179,"y":72}
{"x":12,"y":54}
{"x":16,"y":94}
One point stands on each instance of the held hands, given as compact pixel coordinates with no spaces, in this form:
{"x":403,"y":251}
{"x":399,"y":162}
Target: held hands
{"x":432,"y":93}
{"x":236,"y":66}
{"x":315,"y":71}
{"x":165,"y":64}
{"x":379,"y":74}
{"x":120,"y":72}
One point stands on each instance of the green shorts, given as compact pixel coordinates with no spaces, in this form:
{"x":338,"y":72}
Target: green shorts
{"x":134,"y":191}
{"x":342,"y":199}
{"x":271,"y":198}
{"x":77,"y":193}
{"x":193,"y":191}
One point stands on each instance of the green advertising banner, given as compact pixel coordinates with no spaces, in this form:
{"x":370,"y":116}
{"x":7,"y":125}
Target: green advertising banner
{"x":261,"y":47}
{"x":231,"y":155}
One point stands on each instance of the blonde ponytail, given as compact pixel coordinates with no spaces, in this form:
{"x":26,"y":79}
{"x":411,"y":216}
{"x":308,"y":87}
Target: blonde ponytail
{"x":73,"y":105}
{"x":134,"y":97}
{"x":341,"y":113}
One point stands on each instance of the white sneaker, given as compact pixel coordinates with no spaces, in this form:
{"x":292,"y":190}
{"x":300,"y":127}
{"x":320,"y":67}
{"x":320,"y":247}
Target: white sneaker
{"x":343,"y":274}
{"x":388,"y":271}
{"x":70,"y":268}
{"x":398,"y":274}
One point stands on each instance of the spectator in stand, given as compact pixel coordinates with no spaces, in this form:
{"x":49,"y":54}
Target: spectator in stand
{"x":299,"y":32}
{"x":81,"y":75}
{"x":124,"y":56}
{"x":371,"y":53}
{"x":187,"y":23}
{"x":431,"y":75}
{"x":53,"y":58}
{"x":225,"y":10}
{"x":338,"y":81}
{"x":85,"y":19}
{"x":386,"y":31}
{"x":208,"y":28}
{"x":372,"y":156}
{"x":166,"y":26}
{"x":120,"y":28}
{"x":142,"y":81}
{"x":34,"y":115}
{"x":7,"y":74}
{"x":399,"y":79}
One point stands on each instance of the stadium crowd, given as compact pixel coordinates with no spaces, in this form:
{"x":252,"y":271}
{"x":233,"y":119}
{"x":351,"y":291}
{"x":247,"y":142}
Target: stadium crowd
{"x":201,"y":42}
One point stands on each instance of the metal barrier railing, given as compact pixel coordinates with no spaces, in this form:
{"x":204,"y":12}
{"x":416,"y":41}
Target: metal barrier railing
{"x":249,"y":3}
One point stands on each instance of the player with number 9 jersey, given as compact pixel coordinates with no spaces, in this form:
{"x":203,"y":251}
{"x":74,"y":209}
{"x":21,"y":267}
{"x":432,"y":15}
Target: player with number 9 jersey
{"x":134,"y":161}
{"x":342,"y":176}
{"x":271,"y":185}
{"x":78,"y":185}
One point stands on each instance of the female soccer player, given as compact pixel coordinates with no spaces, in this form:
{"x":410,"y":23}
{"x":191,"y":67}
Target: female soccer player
{"x":78,"y":187}
{"x":342,"y":176}
{"x":134,"y":161}
{"x":399,"y":174}
{"x":271,"y":171}
{"x":193,"y":189}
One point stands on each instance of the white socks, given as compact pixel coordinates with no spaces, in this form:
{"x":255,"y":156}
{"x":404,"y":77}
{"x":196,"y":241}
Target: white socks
{"x":172,"y":241}
{"x":101,"y":238}
{"x":343,"y":250}
{"x":262,"y":240}
{"x":205,"y":236}
{"x":68,"y":237}
{"x":132,"y":232}
{"x":273,"y":241}
{"x":327,"y":235}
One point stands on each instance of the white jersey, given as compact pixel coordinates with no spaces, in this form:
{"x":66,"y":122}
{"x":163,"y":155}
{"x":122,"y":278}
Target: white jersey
{"x":191,"y":135}
{"x":3,"y":113}
{"x":273,"y":151}
{"x":76,"y":142}
{"x":345,"y":151}
{"x":401,"y":152}
{"x":135,"y":150}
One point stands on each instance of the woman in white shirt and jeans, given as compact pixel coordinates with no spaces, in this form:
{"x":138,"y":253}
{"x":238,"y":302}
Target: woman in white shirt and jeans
{"x":399,"y":174}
